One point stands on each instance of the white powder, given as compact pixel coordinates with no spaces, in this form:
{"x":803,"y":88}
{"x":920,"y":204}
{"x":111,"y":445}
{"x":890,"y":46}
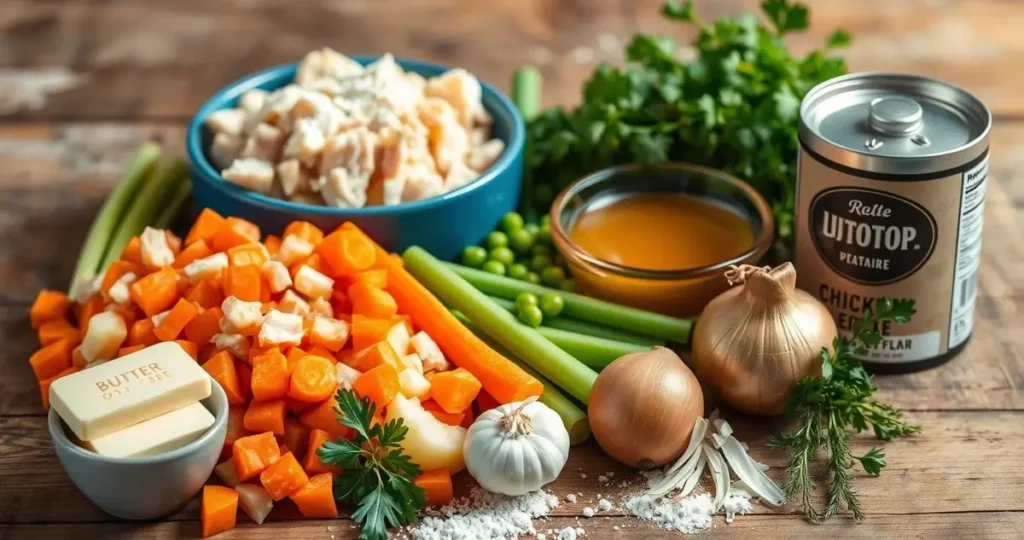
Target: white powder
{"x":570,"y":533}
{"x":604,"y":505}
{"x":688,"y":515}
{"x":588,"y":512}
{"x":570,"y":498}
{"x":486,"y":515}
{"x":737,"y":503}
{"x":602,"y":479}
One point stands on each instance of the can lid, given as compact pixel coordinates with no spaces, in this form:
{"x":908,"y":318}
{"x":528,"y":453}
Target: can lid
{"x":894,"y":123}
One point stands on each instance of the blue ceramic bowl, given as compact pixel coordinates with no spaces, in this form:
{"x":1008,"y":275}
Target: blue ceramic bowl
{"x":442,"y":225}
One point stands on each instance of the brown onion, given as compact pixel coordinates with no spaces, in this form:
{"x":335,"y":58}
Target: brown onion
{"x":754,"y":342}
{"x":643,"y":407}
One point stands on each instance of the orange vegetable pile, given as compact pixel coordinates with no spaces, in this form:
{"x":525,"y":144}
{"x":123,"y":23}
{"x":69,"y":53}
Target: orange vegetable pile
{"x":281,"y":325}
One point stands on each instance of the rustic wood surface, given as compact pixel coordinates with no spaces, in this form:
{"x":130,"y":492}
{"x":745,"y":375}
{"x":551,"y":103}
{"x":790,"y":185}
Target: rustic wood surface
{"x":82,"y":83}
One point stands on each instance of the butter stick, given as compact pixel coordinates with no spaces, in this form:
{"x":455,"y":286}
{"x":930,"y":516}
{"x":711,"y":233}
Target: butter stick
{"x":122,"y":392}
{"x":166,"y":432}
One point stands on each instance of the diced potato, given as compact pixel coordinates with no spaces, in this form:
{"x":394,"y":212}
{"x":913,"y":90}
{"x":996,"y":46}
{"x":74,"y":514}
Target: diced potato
{"x":206,"y":267}
{"x":104,"y":335}
{"x":429,"y":352}
{"x":398,"y":337}
{"x":313,"y":284}
{"x":347,"y":375}
{"x":293,"y":248}
{"x":251,"y":173}
{"x":119,"y":293}
{"x":321,"y":306}
{"x":227,"y":473}
{"x":413,"y":361}
{"x":280,"y":328}
{"x":236,"y":344}
{"x":277,"y":276}
{"x":293,"y":303}
{"x":329,"y":332}
{"x":254,"y":501}
{"x":227,"y":121}
{"x":240,"y":317}
{"x":156,"y":252}
{"x":413,"y":384}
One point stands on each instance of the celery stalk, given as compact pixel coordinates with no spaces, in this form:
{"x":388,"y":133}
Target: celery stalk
{"x":581,"y":307}
{"x":112,"y":213}
{"x":588,"y":329}
{"x":524,"y":342}
{"x":174,"y":205}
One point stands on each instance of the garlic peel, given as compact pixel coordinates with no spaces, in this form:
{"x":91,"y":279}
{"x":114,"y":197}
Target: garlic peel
{"x":748,"y":471}
{"x":702,"y":464}
{"x":720,"y":474}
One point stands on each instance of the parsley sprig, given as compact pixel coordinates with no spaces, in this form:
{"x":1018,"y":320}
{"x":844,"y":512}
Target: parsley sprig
{"x":829,"y":406}
{"x":376,"y":476}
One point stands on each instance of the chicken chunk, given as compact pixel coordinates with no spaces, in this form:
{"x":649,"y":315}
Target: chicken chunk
{"x":240,"y":317}
{"x":305,"y":143}
{"x":293,"y":248}
{"x":294,"y":179}
{"x":449,"y":141}
{"x":225,"y":149}
{"x":276,"y":109}
{"x":251,"y":173}
{"x":155,"y":251}
{"x":313,"y":284}
{"x":462,"y":91}
{"x":206,"y":267}
{"x":252,"y":101}
{"x":329,"y":332}
{"x":280,"y":328}
{"x":459,"y":175}
{"x":119,"y":291}
{"x":325,"y":63}
{"x":236,"y":344}
{"x":481,"y":157}
{"x":277,"y":276}
{"x":346,"y":165}
{"x":227,"y":121}
{"x":291,"y":302}
{"x":321,"y":306}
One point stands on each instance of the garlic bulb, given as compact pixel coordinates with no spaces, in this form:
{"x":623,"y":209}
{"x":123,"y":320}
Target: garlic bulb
{"x":754,"y":342}
{"x":516,"y":448}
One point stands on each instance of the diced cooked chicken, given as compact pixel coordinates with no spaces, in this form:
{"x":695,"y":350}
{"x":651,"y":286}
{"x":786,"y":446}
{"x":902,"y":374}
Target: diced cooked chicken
{"x":462,"y":91}
{"x":227,"y":121}
{"x":422,"y":183}
{"x":449,"y":141}
{"x":326,"y":63}
{"x":346,"y":375}
{"x":329,"y":332}
{"x":225,"y":149}
{"x":276,"y":109}
{"x":250,"y":173}
{"x":481,"y":157}
{"x":277,"y":276}
{"x":291,"y":302}
{"x":413,"y":361}
{"x":321,"y":306}
{"x":407,"y":157}
{"x":346,"y":165}
{"x":252,"y":101}
{"x":313,"y":284}
{"x":155,"y":251}
{"x":305,"y":143}
{"x":431,"y":355}
{"x":206,"y":267}
{"x":103,"y":336}
{"x":459,"y":175}
{"x":398,"y":338}
{"x":240,"y":317}
{"x":280,"y":328}
{"x":236,"y":344}
{"x":293,"y":249}
{"x":119,"y":291}
{"x":266,"y":143}
{"x":86,"y":288}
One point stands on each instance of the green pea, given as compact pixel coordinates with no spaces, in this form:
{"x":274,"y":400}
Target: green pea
{"x":545,"y":221}
{"x":544,"y":235}
{"x":552,"y":276}
{"x":540,"y":249}
{"x":531,"y":316}
{"x":474,"y":256}
{"x":532,"y":277}
{"x":511,"y":222}
{"x":531,"y":228}
{"x":521,"y":241}
{"x":496,"y":239}
{"x":517,"y":271}
{"x":525,"y":300}
{"x":494,"y":267}
{"x":551,"y":305}
{"x":568,"y":285}
{"x":539,"y":262}
{"x":503,"y":255}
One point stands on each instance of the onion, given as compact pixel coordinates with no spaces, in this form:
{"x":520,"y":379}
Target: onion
{"x":643,"y":407}
{"x":754,"y":342}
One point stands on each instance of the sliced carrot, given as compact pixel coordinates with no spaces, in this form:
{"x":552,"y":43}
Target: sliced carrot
{"x":243,"y":282}
{"x":283,"y":477}
{"x":92,"y":306}
{"x":156,"y":292}
{"x":205,"y":226}
{"x":437,"y":485}
{"x":372,"y":302}
{"x":176,"y":320}
{"x":324,"y":417}
{"x":44,"y":385}
{"x":253,"y":454}
{"x":204,"y":326}
{"x":51,"y":359}
{"x":128,"y":313}
{"x":315,"y":499}
{"x":272,"y":243}
{"x":116,"y":271}
{"x":246,"y":254}
{"x":380,"y":353}
{"x":244,"y":379}
{"x":190,"y":348}
{"x":265,"y":416}
{"x":322,"y":352}
{"x":298,"y":408}
{"x":219,"y":511}
{"x":270,"y":377}
{"x":132,"y":251}
{"x":296,"y":436}
{"x":313,"y":379}
{"x":221,"y":367}
{"x":234,"y":232}
{"x":236,"y":426}
{"x":141,"y":333}
{"x":305,"y":230}
{"x":192,"y":252}
{"x":125,"y":351}
{"x":452,"y":419}
{"x":367,"y":331}
{"x":206,"y":294}
{"x":376,"y":277}
{"x":58,"y":329}
{"x":293,"y":355}
{"x":454,"y":390}
{"x":380,"y":384}
{"x":347,"y":253}
{"x":257,"y":350}
{"x":312,"y":463}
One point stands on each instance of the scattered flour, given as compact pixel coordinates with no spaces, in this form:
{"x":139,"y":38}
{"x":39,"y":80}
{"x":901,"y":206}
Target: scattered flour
{"x":602,"y":479}
{"x":570,"y":533}
{"x":737,"y":503}
{"x":604,"y":505}
{"x":570,"y":498}
{"x":486,"y":515}
{"x":588,"y":512}
{"x":688,"y":515}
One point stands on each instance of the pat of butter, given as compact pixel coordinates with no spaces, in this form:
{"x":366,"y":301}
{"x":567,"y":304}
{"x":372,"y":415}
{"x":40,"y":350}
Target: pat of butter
{"x":166,"y":432}
{"x":125,"y":391}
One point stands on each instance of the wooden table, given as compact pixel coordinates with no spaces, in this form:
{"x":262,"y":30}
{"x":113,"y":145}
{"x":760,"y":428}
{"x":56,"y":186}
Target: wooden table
{"x":82,"y":83}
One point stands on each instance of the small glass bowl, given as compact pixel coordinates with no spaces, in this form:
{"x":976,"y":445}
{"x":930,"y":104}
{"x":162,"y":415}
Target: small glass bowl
{"x":682,"y":292}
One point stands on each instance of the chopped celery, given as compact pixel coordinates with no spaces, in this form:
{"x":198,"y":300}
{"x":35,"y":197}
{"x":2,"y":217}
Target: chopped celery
{"x":525,"y":343}
{"x":586,"y":328}
{"x":110,"y":217}
{"x":584,"y":308}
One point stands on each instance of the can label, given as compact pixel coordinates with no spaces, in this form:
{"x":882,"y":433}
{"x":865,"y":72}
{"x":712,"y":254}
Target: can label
{"x":859,"y":239}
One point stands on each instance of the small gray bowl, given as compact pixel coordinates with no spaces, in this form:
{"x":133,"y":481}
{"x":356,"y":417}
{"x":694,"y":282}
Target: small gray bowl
{"x":148,"y":487}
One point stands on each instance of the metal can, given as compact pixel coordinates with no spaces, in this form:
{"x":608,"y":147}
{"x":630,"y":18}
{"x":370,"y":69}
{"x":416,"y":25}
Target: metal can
{"x":890,"y":200}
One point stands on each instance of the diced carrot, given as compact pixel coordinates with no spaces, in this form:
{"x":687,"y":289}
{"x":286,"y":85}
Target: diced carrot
{"x":116,"y":271}
{"x":266,"y":307}
{"x":346,"y":253}
{"x":319,"y":350}
{"x":312,"y":463}
{"x":92,"y":306}
{"x":315,"y":499}
{"x":192,"y":252}
{"x":236,"y":426}
{"x":293,"y":355}
{"x":298,"y":408}
{"x":371,"y":301}
{"x":221,"y":367}
{"x":132,"y":251}
{"x":406,"y":320}
{"x":243,"y":282}
{"x":190,"y":348}
{"x":380,"y":353}
{"x":380,"y":384}
{"x":246,"y":254}
{"x":51,"y":359}
{"x":367,"y":331}
{"x":244,"y":379}
{"x":340,"y":303}
{"x":272,"y":243}
{"x":206,"y":294}
{"x":234,"y":232}
{"x":204,"y":326}
{"x":484,"y":402}
{"x":283,"y":477}
{"x":324,"y":417}
{"x":253,"y":454}
{"x":265,"y":416}
{"x":44,"y":385}
{"x":206,"y":225}
{"x":156,"y":292}
{"x":125,"y":351}
{"x":270,"y":377}
{"x":376,"y":277}
{"x":452,"y":419}
{"x":141,"y":333}
{"x":313,"y":379}
{"x":219,"y":511}
{"x":176,"y":320}
{"x":58,"y":329}
{"x":296,"y":436}
{"x":258,"y":350}
{"x":128,"y":312}
{"x":266,"y":297}
{"x":454,"y":390}
{"x":305,"y":230}
{"x":437,"y":485}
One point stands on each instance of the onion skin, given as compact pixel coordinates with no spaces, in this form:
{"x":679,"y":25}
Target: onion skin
{"x":643,"y":407}
{"x":754,"y":342}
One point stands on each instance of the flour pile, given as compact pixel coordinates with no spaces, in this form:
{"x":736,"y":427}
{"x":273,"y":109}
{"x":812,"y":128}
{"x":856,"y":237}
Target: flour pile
{"x":485,"y":515}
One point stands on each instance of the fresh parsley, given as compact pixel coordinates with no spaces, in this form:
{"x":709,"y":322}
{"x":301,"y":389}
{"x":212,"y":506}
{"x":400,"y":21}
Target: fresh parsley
{"x":376,"y":476}
{"x":734,"y":107}
{"x":829,"y":406}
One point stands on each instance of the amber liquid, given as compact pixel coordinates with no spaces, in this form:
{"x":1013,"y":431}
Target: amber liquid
{"x":656,"y":231}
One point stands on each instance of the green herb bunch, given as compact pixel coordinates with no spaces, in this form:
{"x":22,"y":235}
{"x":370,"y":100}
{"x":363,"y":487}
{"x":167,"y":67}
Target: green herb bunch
{"x":733,"y":107}
{"x":376,"y":476}
{"x":829,"y":406}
